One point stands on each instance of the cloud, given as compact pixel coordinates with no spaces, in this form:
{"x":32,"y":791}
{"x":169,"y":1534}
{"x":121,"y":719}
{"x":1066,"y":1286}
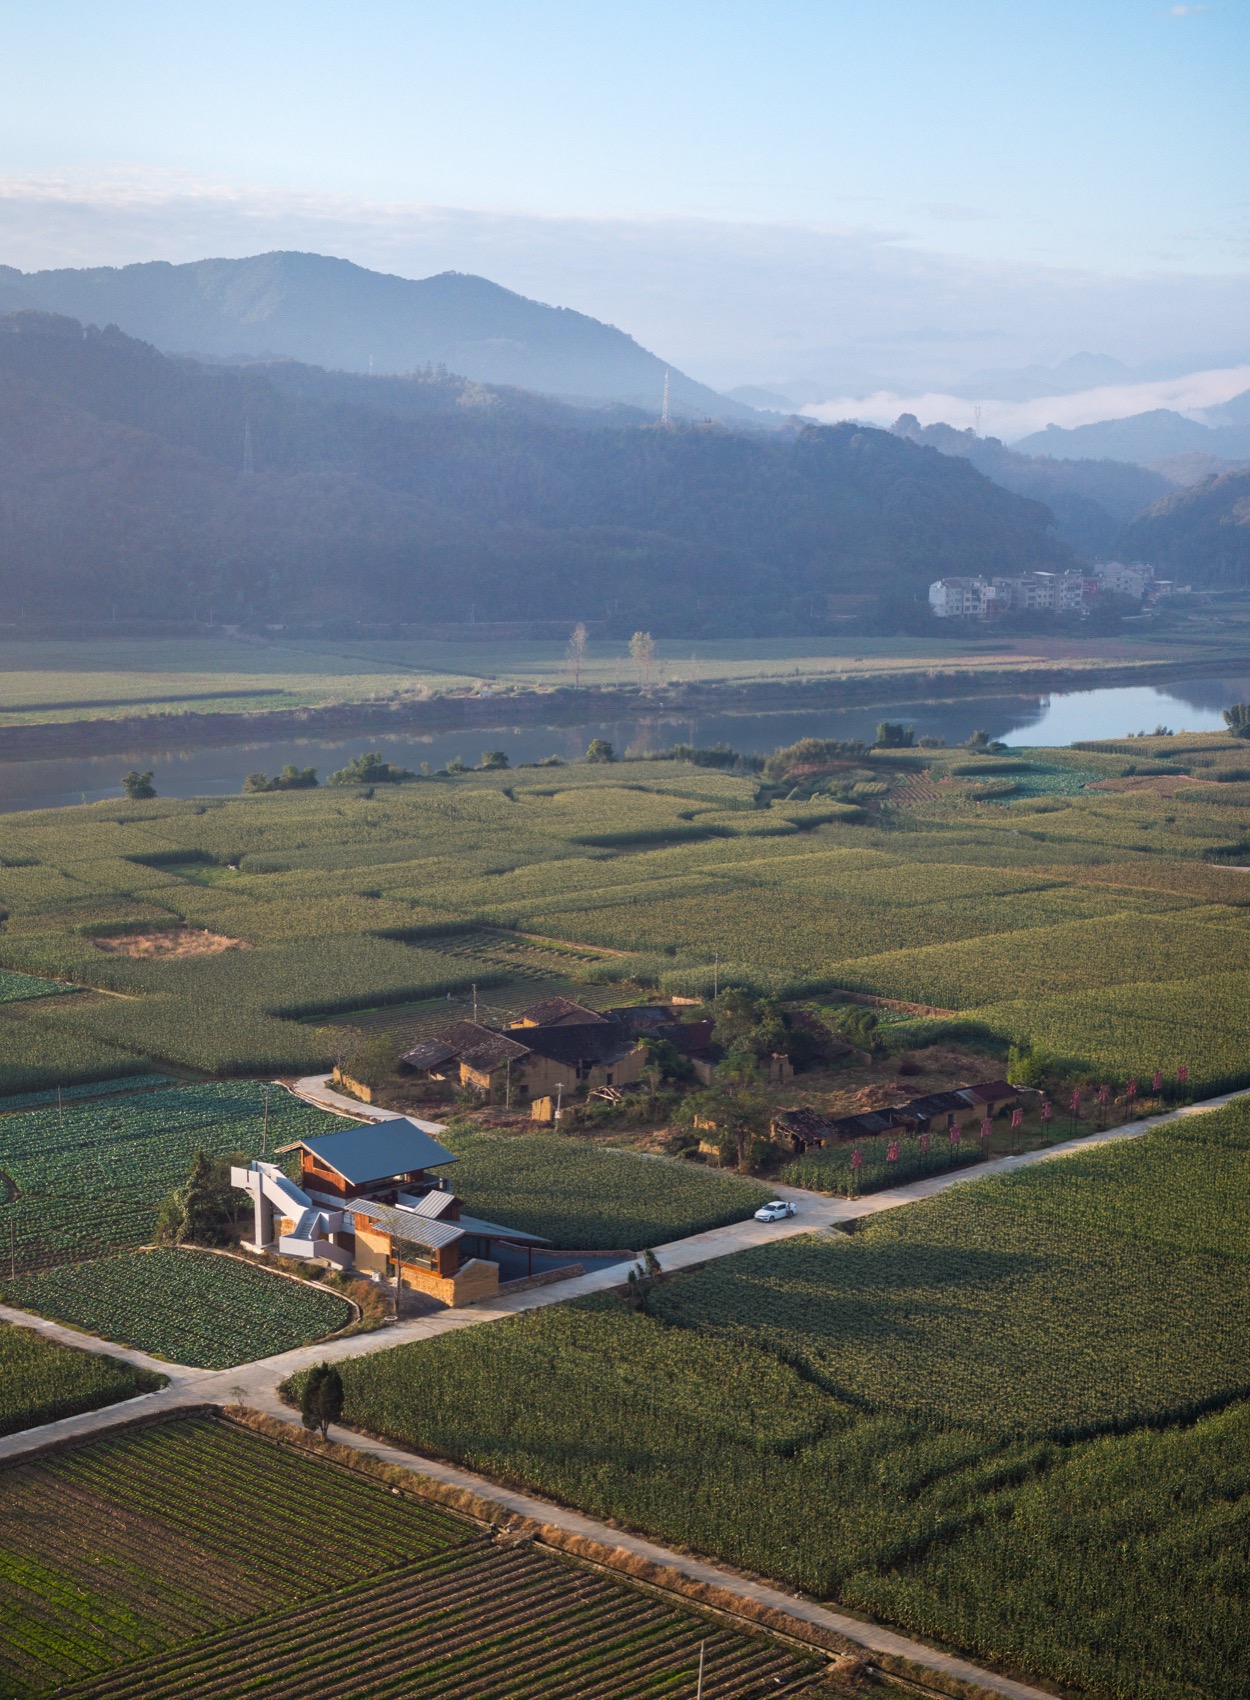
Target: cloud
{"x":1186,"y":11}
{"x":1011,"y":419}
{"x":846,"y":310}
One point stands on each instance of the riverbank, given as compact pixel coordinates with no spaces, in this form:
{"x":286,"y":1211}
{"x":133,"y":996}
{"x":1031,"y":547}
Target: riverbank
{"x":564,"y":706}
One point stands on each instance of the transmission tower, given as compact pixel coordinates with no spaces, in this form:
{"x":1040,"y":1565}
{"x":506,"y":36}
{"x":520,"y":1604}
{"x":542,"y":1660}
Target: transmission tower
{"x":666,"y":419}
{"x":249,"y":465}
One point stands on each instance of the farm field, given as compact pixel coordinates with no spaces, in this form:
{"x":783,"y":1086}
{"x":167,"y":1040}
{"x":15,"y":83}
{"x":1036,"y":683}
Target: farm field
{"x":191,"y":1307}
{"x":59,"y":680}
{"x":93,"y":1175}
{"x":939,"y":1420}
{"x":589,"y":1198}
{"x":173,"y":1560}
{"x":1099,"y":924}
{"x":43,"y":1381}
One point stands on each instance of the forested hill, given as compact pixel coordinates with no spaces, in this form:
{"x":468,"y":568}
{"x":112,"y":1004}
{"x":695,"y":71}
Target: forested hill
{"x":1201,"y":534}
{"x":124,"y":484}
{"x":1090,"y":499}
{"x":329,"y":312}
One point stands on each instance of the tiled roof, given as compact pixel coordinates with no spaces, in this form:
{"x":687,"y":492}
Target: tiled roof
{"x":602,"y":1042}
{"x":558,"y":1012}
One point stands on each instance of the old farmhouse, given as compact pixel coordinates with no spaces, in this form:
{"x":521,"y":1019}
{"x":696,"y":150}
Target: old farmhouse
{"x":802,"y":1129}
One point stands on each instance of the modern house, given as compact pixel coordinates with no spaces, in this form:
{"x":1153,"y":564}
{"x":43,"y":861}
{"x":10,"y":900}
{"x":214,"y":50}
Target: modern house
{"x":366,"y":1199}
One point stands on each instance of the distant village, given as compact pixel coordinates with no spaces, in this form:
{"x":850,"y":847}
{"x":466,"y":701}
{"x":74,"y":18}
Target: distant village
{"x":1050,"y":593}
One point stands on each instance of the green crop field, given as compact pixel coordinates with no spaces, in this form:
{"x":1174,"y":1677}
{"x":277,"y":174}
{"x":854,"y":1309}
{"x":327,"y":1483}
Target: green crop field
{"x":943,"y":1419}
{"x":175,"y":1560}
{"x":589,"y":1198}
{"x":43,"y":1381}
{"x":192,"y":1307}
{"x":93,"y":1175}
{"x":1094,"y":922}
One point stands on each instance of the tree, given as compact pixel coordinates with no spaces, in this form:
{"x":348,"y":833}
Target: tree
{"x":735,"y":1113}
{"x":979,"y":741}
{"x":370,"y":769}
{"x":577,"y":652}
{"x":138,"y":786}
{"x":205,"y":1207}
{"x":291,"y":778}
{"x":642,"y":654}
{"x":893,"y":735}
{"x":599,"y":749}
{"x":321,"y":1402}
{"x":493,"y":759}
{"x":1237,"y":719}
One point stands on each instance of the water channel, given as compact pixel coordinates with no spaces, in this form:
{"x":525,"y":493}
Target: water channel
{"x":1044,"y":721}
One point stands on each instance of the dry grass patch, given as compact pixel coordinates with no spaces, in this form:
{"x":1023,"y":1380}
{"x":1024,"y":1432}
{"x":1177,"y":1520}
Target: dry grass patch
{"x":169,"y":941}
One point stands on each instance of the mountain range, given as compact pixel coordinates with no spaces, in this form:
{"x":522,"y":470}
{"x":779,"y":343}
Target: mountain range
{"x":1152,"y":438}
{"x":164,"y":487}
{"x":329,"y":312}
{"x":1090,"y":499}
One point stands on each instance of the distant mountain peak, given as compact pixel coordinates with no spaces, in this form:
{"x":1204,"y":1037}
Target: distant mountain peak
{"x":327,"y":311}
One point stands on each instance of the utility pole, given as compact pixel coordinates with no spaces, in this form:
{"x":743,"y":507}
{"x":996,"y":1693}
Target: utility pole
{"x":666,"y":418}
{"x":475,"y":1002}
{"x":559,"y":1099}
{"x":716,"y":976}
{"x":264,"y":1138}
{"x":249,"y":465}
{"x":60,"y":1112}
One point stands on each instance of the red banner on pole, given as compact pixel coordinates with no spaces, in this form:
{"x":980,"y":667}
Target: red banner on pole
{"x":1156,"y":1085}
{"x":1182,"y":1074}
{"x":924,"y":1142}
{"x":891,"y":1151}
{"x":1017,"y":1118}
{"x":857,"y":1159}
{"x":1048,"y":1110}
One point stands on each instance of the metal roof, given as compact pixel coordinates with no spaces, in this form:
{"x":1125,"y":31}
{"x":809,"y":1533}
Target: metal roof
{"x":378,"y":1150}
{"x":405,"y":1224}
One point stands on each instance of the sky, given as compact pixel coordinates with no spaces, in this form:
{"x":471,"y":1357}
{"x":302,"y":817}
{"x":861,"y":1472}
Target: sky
{"x":846,"y":196}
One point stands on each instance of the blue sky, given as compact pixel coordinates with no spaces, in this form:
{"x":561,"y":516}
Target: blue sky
{"x":689,"y":144}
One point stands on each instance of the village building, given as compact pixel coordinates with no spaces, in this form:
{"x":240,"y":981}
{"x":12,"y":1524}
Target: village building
{"x":805,"y":1129}
{"x":533,"y":1060}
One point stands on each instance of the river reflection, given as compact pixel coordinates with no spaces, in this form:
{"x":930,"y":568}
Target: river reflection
{"x":1056,"y":720}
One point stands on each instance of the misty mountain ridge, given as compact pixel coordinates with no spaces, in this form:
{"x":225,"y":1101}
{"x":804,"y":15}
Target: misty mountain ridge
{"x":331,"y":313}
{"x":1149,"y":438}
{"x":160,"y":487}
{"x":1200,"y":533}
{"x":1090,"y":499}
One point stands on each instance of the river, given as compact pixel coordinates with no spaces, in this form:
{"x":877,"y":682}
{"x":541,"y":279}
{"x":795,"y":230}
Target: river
{"x":1045,"y":721}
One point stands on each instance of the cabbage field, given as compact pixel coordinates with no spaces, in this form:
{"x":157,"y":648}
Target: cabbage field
{"x":190,"y":1307}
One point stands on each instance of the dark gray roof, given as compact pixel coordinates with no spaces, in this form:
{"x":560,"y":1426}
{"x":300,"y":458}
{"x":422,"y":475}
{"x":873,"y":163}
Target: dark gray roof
{"x":557,"y":1012}
{"x":604,"y":1042}
{"x":479,"y":1046}
{"x":378,"y":1150}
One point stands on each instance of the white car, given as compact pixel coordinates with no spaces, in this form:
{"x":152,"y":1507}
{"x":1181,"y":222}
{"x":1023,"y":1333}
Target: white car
{"x":777,"y":1211}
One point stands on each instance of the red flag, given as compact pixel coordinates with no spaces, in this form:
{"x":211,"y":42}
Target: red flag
{"x":1075,"y":1105}
{"x":1017,"y":1118}
{"x":1130,"y":1091}
{"x":1048,"y":1110}
{"x":954,"y":1136}
{"x":1156,"y":1085}
{"x":1182,"y":1073}
{"x":857,"y":1159}
{"x":986,"y":1128}
{"x":924,"y":1142}
{"x":1104,"y":1094}
{"x":891,"y":1151}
